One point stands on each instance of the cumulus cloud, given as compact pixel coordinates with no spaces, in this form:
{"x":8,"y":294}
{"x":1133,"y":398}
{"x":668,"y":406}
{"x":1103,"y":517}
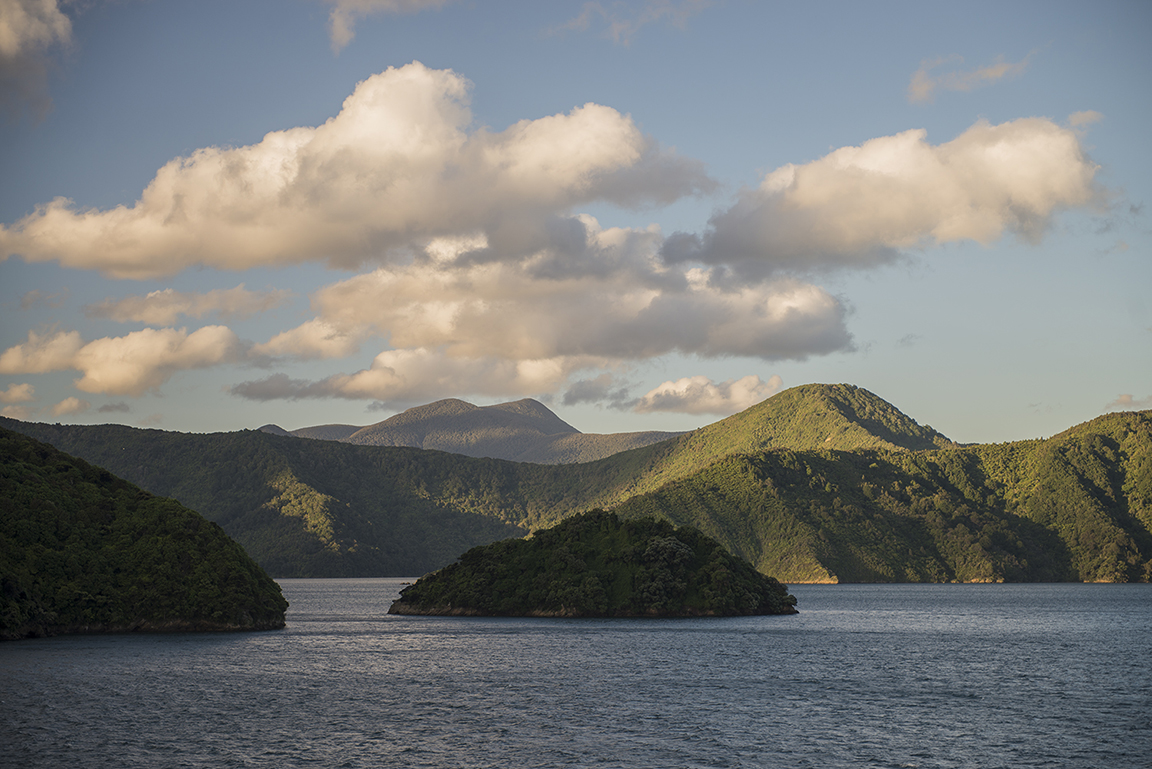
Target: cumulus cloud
{"x":119,"y":407}
{"x":23,"y":413}
{"x":42,"y":353}
{"x":316,"y":338}
{"x":924,"y":85}
{"x":1126,"y":402}
{"x":18,"y":393}
{"x":621,"y":22}
{"x":399,"y":165}
{"x":161,"y":308}
{"x":345,"y":13}
{"x":590,"y":292}
{"x":126,"y":365}
{"x":700,"y":395}
{"x":859,"y":206}
{"x":458,"y":319}
{"x":29,"y":30}
{"x":70,"y":406}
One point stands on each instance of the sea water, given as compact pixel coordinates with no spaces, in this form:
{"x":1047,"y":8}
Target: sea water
{"x":865,"y":676}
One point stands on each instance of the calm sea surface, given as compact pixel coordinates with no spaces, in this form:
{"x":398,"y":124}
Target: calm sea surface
{"x":865,"y":676}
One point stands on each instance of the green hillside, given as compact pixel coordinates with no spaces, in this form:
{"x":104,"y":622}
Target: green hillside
{"x":818,"y":483}
{"x":83,"y":551}
{"x":1075,"y":507}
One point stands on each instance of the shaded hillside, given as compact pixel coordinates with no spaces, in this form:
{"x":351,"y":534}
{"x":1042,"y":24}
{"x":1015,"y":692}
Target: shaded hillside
{"x":308,"y":508}
{"x":521,"y":431}
{"x":83,"y":551}
{"x":595,"y":565}
{"x":818,"y":483}
{"x":322,"y":432}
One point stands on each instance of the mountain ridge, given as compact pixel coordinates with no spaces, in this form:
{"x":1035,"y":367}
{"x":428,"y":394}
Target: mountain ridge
{"x":521,"y":431}
{"x":819,"y":483}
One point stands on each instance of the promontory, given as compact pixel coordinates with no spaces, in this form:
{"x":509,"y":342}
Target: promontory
{"x":82,"y":551}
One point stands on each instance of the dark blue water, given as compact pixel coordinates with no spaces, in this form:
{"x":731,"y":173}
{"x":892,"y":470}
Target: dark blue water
{"x":866,"y":676}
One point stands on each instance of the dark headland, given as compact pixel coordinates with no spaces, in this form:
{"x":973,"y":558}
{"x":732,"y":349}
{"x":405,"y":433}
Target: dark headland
{"x":82,"y":551}
{"x":596,"y":565}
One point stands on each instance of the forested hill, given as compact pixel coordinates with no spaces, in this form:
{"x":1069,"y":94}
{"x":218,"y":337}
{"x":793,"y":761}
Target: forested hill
{"x":522,"y":431}
{"x":819,"y":483}
{"x":84,"y":551}
{"x":1077,"y":506}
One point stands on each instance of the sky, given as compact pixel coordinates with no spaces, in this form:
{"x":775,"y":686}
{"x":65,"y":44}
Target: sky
{"x":647,"y":214}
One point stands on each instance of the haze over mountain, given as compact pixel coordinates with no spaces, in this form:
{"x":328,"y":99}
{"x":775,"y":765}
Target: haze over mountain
{"x":818,"y":483}
{"x":522,"y":431}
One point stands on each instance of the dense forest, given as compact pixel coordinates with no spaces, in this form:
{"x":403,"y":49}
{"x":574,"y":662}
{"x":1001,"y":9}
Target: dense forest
{"x":595,"y":565}
{"x":820,"y":483}
{"x":83,"y":551}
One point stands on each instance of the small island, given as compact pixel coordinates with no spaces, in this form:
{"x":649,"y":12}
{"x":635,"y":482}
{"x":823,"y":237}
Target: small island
{"x":596,"y":565}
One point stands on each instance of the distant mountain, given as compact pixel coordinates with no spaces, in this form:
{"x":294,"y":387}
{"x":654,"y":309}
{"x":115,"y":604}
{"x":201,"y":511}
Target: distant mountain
{"x":83,"y":551}
{"x":522,"y":431}
{"x":818,"y":483}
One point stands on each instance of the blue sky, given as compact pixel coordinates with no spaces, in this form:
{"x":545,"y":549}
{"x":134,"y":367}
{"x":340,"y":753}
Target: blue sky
{"x":648,"y":215}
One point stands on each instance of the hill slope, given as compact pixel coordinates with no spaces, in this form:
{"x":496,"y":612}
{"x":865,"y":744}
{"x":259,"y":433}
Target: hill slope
{"x":1077,"y":506}
{"x":819,"y":483}
{"x":83,"y":551}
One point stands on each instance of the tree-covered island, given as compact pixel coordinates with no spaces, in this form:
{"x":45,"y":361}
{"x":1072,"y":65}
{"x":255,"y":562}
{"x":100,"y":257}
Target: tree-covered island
{"x":596,"y":565}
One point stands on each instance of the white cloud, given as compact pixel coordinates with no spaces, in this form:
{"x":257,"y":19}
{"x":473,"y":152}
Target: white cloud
{"x":399,"y":165}
{"x":859,"y":206}
{"x":345,"y":13}
{"x":18,"y":393}
{"x":621,"y":22}
{"x":1084,"y":118}
{"x":316,"y":338}
{"x":461,"y":319}
{"x":28,"y":29}
{"x":923,"y":86}
{"x":23,"y":413}
{"x":143,"y":360}
{"x":70,"y":406}
{"x":161,"y":308}
{"x":126,"y":365}
{"x":588,"y":294}
{"x":29,"y":25}
{"x":700,"y":395}
{"x":42,"y":353}
{"x":1126,"y":402}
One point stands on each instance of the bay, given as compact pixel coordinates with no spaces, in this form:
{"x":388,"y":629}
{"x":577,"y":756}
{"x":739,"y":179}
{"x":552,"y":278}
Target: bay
{"x":865,"y":676}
